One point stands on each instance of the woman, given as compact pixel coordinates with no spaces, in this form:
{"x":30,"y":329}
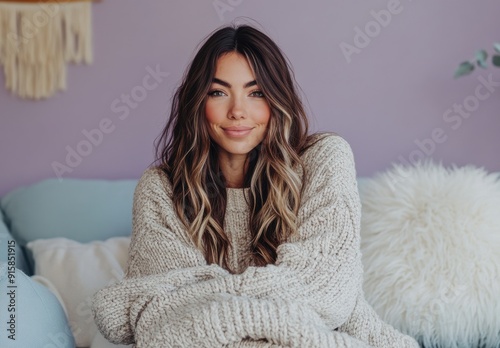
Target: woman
{"x":246,"y":234}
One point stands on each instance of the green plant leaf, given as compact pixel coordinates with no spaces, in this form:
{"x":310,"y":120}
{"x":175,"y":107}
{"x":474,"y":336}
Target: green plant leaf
{"x":482,"y":64}
{"x":496,"y":60}
{"x":496,"y":46}
{"x":464,"y":69}
{"x":481,"y":57}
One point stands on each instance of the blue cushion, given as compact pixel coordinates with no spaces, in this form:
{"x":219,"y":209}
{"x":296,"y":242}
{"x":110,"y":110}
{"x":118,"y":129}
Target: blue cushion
{"x":80,"y":209}
{"x":38,"y":319}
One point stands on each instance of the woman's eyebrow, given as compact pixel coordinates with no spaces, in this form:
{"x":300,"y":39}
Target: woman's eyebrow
{"x":228,"y":85}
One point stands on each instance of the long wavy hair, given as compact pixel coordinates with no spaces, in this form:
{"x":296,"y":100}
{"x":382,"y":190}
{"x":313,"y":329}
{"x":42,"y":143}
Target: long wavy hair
{"x":188,"y":156}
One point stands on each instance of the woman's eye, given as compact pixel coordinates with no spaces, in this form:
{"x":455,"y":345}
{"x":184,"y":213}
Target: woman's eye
{"x":258,"y":94}
{"x":215,"y":93}
{"x":218,"y":93}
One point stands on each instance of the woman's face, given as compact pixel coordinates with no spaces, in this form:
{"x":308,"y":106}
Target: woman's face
{"x":235,"y":100}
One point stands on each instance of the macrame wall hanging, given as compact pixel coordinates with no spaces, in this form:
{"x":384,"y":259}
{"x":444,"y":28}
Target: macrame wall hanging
{"x":38,"y":38}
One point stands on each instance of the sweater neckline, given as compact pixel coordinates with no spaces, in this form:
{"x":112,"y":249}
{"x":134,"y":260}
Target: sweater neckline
{"x":236,"y":201}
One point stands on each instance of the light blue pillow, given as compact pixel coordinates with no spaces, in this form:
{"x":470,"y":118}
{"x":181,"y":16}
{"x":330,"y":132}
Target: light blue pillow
{"x":30,"y":314}
{"x":80,"y":209}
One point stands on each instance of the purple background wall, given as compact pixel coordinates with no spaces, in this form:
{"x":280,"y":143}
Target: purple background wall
{"x":394,"y":92}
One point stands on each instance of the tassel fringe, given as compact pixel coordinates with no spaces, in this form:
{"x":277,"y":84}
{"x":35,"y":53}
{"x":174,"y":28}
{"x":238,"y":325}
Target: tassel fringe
{"x":36,"y":42}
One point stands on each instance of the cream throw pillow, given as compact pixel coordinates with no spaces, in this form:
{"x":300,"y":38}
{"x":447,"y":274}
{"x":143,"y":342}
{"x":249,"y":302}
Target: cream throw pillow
{"x":77,"y":270}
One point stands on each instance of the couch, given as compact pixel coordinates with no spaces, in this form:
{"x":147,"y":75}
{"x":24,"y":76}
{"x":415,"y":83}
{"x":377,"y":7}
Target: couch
{"x":77,"y":209}
{"x":69,"y":213}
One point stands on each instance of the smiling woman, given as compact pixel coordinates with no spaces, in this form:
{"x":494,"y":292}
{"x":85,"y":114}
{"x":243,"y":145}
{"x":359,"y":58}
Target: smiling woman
{"x":247,"y":231}
{"x":237,"y":114}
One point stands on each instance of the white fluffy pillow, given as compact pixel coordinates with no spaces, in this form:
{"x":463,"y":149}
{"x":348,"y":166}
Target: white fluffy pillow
{"x":430,"y":238}
{"x":77,"y":271}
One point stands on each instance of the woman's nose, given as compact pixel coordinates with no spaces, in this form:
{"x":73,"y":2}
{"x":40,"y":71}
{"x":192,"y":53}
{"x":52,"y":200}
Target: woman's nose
{"x":237,"y":109}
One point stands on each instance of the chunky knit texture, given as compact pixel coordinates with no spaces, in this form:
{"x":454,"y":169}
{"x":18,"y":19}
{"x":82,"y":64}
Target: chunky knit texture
{"x":311,"y":297}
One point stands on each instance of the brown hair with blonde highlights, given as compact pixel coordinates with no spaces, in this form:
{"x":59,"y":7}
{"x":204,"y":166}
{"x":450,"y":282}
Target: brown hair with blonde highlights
{"x":189,"y":157}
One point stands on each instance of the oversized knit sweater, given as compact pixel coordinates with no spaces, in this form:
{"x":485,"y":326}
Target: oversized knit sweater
{"x":310,"y":297}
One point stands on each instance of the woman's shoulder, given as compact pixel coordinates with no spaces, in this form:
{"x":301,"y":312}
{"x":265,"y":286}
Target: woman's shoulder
{"x":324,"y":147}
{"x":154,"y":179}
{"x":152,"y":173}
{"x":329,"y":167}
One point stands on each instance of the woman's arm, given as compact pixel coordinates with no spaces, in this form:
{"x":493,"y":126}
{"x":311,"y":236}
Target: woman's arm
{"x":160,"y":256}
{"x":149,"y":312}
{"x":159,"y":241}
{"x":322,"y":267}
{"x":221,"y":319}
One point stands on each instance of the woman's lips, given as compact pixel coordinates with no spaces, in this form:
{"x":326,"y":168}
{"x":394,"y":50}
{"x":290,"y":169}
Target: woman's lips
{"x":237,"y":134}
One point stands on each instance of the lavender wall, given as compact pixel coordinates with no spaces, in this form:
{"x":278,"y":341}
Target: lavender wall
{"x":396,"y":90}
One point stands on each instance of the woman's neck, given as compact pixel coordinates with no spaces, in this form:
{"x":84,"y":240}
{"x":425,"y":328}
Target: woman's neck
{"x":234,"y":169}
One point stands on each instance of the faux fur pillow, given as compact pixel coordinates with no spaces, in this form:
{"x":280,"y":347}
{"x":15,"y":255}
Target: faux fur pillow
{"x":430,"y":238}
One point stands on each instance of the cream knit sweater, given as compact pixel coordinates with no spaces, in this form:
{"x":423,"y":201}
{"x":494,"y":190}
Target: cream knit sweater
{"x":311,"y":297}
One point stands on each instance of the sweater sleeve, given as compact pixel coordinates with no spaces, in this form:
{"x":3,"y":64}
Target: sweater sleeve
{"x":365,"y":324}
{"x":322,"y":266}
{"x":221,"y":319}
{"x":150,"y":312}
{"x":159,"y":242}
{"x":159,"y":253}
